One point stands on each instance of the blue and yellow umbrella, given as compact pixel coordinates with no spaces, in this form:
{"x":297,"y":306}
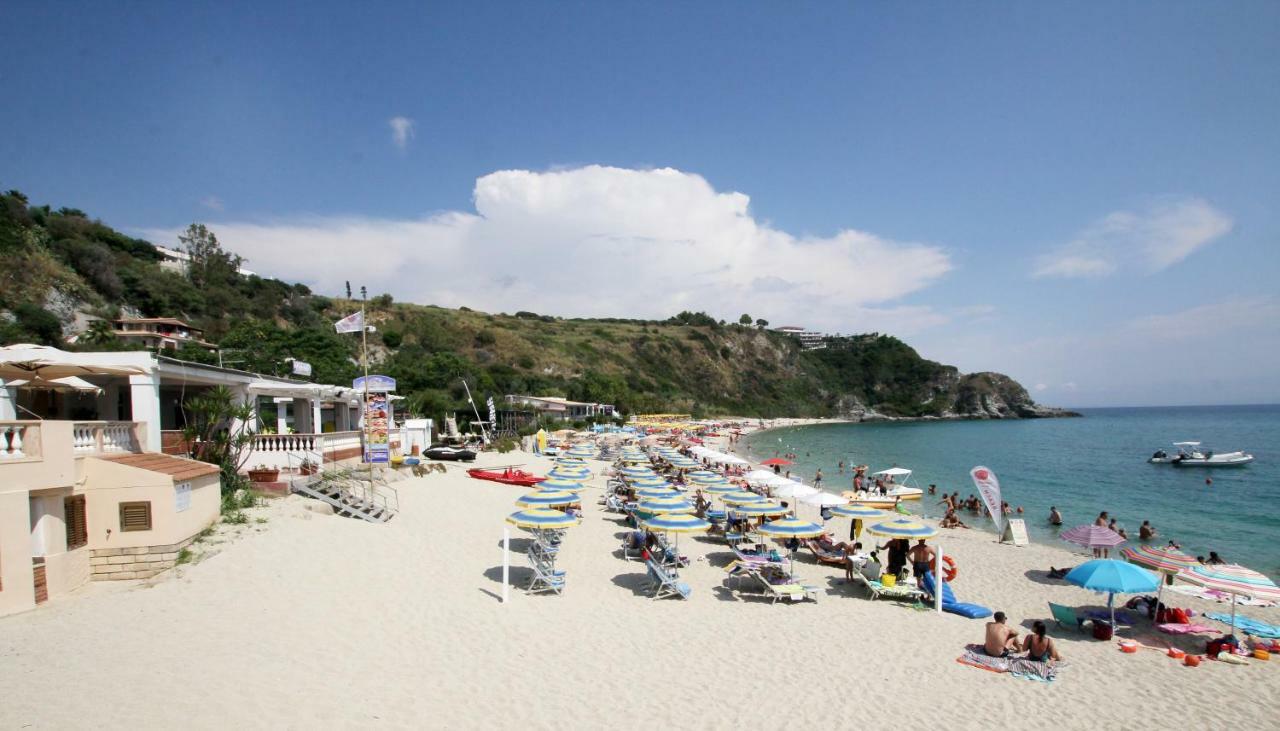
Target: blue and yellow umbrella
{"x":569,"y":473}
{"x":542,"y":519}
{"x":741,"y":497}
{"x":903,"y":528}
{"x":652,"y":492}
{"x":653,"y":481}
{"x":763,"y":508}
{"x":724,"y":489}
{"x":548,"y":499}
{"x":860,"y":512}
{"x":791,"y":528}
{"x":560,"y":483}
{"x":677,"y":523}
{"x":665,"y":505}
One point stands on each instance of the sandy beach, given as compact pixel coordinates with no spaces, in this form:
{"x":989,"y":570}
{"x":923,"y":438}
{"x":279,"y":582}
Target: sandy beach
{"x":309,"y":621}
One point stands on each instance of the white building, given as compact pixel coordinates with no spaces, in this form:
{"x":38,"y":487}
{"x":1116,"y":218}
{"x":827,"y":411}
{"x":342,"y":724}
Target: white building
{"x":809,"y":340}
{"x":177,"y":261}
{"x":561,"y":408}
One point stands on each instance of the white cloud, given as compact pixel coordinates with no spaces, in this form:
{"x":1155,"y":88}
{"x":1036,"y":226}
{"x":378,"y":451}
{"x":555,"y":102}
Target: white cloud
{"x":212,"y":202}
{"x":1155,"y":238}
{"x":1041,"y":386}
{"x":605,"y":241}
{"x":401,"y":131}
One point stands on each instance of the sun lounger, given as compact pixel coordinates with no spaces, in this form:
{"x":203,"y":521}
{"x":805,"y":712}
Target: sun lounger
{"x":877,"y":590}
{"x":545,"y":578}
{"x":1067,"y":617}
{"x":834,"y":558}
{"x":791,"y":592}
{"x":949,"y":602}
{"x":664,"y":583}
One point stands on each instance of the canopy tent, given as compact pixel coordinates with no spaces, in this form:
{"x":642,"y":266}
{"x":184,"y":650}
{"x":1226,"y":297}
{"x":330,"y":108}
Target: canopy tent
{"x":893,"y":472}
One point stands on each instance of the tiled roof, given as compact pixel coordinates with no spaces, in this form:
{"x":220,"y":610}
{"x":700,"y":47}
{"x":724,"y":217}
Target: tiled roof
{"x":180,"y":468}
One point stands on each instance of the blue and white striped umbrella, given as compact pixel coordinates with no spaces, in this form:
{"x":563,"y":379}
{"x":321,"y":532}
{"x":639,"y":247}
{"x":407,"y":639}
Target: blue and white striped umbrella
{"x":861,"y":512}
{"x":569,"y":473}
{"x":652,"y":492}
{"x":654,"y":481}
{"x":636,"y":471}
{"x":725,"y":489}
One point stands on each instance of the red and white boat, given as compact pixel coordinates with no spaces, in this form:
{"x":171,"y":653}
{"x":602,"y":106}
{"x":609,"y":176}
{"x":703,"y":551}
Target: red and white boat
{"x":506,"y":476}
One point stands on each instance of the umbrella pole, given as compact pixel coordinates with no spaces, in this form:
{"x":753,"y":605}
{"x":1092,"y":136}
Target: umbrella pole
{"x":937,"y":578}
{"x":1111,"y":604}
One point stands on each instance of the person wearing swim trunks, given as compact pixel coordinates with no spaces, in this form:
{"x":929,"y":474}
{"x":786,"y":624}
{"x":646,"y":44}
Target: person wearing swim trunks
{"x":1001,"y":638}
{"x":921,"y":559}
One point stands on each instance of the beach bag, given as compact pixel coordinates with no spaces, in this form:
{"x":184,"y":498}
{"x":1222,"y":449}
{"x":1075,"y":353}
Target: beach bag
{"x":1102,"y":630}
{"x":1179,"y":616}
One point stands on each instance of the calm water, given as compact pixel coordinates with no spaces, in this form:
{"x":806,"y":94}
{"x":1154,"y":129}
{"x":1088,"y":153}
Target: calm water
{"x":1082,"y":466}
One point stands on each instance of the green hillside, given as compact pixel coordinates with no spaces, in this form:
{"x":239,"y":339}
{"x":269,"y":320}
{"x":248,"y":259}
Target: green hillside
{"x":70,"y":270}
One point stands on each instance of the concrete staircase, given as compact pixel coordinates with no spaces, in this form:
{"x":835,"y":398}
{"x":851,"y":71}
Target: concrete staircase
{"x":350,"y":498}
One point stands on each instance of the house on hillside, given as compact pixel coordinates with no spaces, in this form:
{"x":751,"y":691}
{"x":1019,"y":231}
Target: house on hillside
{"x":809,"y":340}
{"x":160,"y":333}
{"x":561,"y":408}
{"x":177,"y":261}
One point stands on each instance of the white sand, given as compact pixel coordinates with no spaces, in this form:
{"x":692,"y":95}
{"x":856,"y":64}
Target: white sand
{"x":319,"y":621}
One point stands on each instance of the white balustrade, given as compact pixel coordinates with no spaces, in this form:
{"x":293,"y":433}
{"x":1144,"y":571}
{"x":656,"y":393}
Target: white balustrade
{"x":103,"y":437}
{"x":11,"y":440}
{"x":84,"y":438}
{"x":117,"y":436}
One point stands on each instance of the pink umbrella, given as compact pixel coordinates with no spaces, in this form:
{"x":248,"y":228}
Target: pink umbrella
{"x":1092,"y":536}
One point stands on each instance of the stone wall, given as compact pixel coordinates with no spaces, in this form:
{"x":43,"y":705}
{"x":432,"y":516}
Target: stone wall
{"x":143,"y":562}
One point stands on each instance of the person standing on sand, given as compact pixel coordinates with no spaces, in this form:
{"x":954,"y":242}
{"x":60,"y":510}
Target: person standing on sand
{"x":817,"y":479}
{"x":1101,"y":522}
{"x":922,"y":557}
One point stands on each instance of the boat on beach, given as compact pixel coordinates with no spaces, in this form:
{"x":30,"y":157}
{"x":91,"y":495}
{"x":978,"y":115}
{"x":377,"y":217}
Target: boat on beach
{"x":1190,"y":454}
{"x":506,"y":476}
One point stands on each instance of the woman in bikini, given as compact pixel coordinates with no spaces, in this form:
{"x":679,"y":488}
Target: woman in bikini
{"x":1039,"y":646}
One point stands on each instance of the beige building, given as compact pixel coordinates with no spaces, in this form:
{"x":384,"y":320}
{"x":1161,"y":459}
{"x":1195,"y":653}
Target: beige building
{"x":81,"y":501}
{"x":160,"y":333}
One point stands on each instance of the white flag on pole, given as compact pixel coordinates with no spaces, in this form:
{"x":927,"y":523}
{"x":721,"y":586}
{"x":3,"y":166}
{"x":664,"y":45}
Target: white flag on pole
{"x":350,"y":323}
{"x":989,"y":488}
{"x":493,"y":414}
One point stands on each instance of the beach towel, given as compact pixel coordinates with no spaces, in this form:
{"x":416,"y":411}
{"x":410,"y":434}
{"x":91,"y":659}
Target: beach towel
{"x":1019,"y":667}
{"x":1186,"y":629}
{"x":1249,"y":626}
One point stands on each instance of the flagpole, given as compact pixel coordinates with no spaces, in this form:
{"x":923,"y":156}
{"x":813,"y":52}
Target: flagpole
{"x":475,"y":409}
{"x":364,"y":405}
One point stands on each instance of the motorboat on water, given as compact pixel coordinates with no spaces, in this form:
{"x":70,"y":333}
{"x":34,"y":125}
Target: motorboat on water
{"x":1190,"y":454}
{"x":897,"y":489}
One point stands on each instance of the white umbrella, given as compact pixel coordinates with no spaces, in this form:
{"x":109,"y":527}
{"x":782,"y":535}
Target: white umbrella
{"x":794,"y":489}
{"x":26,"y":361}
{"x":758,"y":477}
{"x":822,"y":499}
{"x":66,"y":383}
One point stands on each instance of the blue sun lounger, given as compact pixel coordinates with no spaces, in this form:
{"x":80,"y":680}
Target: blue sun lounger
{"x":949,"y":603}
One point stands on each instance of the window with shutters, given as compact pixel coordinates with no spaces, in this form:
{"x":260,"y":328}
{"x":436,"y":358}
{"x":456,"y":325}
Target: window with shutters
{"x":77,"y":528}
{"x":135,"y":516}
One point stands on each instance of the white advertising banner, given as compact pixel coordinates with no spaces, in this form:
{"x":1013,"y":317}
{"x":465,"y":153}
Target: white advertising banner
{"x":989,"y":488}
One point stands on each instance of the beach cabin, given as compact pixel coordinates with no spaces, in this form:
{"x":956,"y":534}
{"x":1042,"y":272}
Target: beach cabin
{"x":83,"y":501}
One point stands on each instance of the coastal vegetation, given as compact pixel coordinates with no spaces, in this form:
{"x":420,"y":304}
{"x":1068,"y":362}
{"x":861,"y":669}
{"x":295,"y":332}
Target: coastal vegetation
{"x":70,"y":273}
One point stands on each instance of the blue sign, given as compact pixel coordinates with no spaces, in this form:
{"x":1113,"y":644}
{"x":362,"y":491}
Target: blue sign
{"x":378,"y":384}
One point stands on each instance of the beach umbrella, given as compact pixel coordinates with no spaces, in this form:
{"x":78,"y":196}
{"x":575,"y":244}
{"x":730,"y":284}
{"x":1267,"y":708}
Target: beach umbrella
{"x":766,"y":508}
{"x":789,"y":488}
{"x":1235,"y":580}
{"x":1167,"y":560}
{"x":696,"y":474}
{"x":542,"y":519}
{"x":566,"y":473}
{"x":1092,"y":536}
{"x":636,"y":471}
{"x":653,"y":481}
{"x":665,"y":505}
{"x":1112,"y":577}
{"x":548,"y":499}
{"x":903,"y":528}
{"x":66,"y":383}
{"x":823,"y":499}
{"x":30,"y":361}
{"x":791,"y":528}
{"x":652,"y":492}
{"x":741,"y":497}
{"x":776,"y":461}
{"x":724,"y":489}
{"x":759,"y":477}
{"x":559,"y":483}
{"x":711,"y":480}
{"x":859,"y":513}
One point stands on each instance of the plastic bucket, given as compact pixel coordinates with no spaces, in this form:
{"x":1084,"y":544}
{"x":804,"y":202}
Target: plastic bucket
{"x":1191,"y":661}
{"x":1128,"y":646}
{"x":1176,"y":654}
{"x":889,"y":580}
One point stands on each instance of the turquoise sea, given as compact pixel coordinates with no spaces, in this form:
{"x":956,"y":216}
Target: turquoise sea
{"x":1082,"y":466}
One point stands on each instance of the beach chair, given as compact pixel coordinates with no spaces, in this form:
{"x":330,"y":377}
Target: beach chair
{"x":832,"y":558}
{"x":545,"y":578}
{"x":789,"y":590}
{"x":629,"y":552}
{"x":1067,"y":617}
{"x":877,"y":590}
{"x":664,"y":583}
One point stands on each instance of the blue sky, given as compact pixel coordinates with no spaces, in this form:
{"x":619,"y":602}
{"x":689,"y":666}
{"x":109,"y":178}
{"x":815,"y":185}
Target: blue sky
{"x":1083,"y":196}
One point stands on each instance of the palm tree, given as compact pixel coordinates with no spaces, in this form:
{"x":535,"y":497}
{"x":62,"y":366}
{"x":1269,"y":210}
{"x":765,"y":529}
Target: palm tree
{"x":100,"y":332}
